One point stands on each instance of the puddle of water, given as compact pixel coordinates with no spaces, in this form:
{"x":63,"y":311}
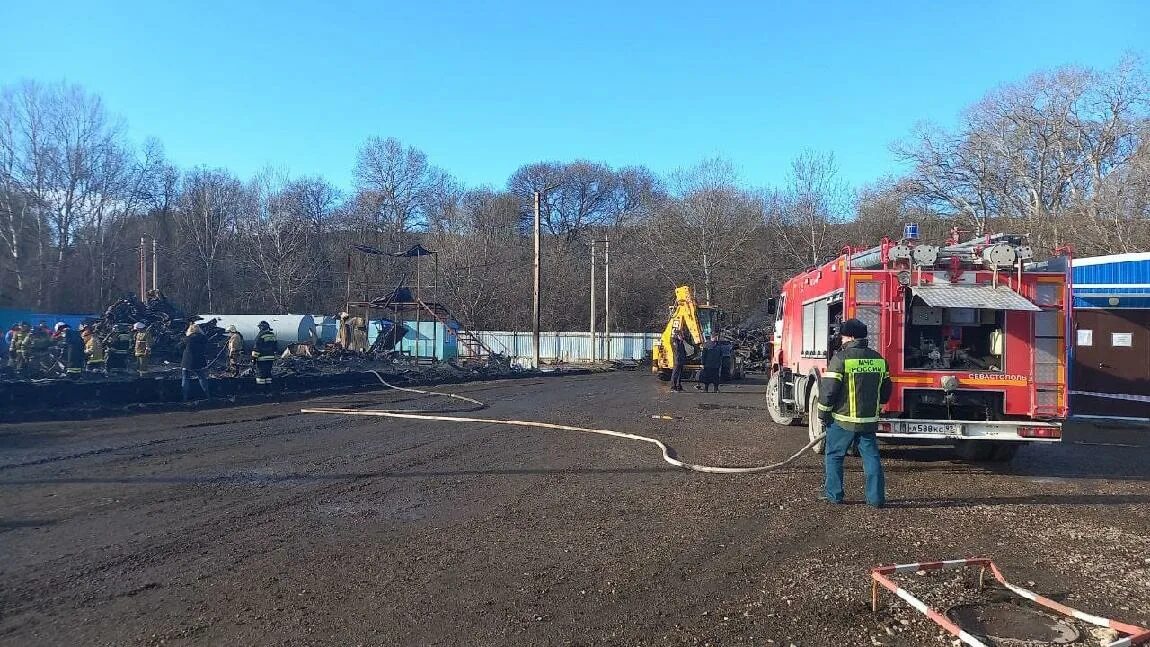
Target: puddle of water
{"x":1011,"y":622}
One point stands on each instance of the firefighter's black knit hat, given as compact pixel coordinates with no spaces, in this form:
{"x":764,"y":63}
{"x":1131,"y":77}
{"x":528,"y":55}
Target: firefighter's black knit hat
{"x":853,"y":328}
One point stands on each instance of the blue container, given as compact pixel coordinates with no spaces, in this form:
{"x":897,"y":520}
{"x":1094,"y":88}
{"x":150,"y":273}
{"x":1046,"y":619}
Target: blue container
{"x":11,"y":316}
{"x":431,"y":339}
{"x":326,"y":328}
{"x":1116,"y":281}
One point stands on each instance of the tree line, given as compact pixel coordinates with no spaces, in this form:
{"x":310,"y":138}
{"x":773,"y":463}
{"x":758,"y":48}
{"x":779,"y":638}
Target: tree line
{"x":1063,"y":156}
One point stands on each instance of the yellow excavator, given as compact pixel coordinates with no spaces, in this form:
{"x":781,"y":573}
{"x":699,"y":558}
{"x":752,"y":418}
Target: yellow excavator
{"x":697,"y":323}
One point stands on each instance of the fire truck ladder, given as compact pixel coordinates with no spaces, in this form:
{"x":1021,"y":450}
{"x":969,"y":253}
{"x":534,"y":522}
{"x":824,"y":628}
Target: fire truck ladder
{"x":1047,"y":364}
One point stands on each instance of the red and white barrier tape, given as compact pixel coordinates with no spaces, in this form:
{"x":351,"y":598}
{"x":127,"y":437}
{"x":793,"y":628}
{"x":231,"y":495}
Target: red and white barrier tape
{"x":1113,"y":396}
{"x":1135,"y":635}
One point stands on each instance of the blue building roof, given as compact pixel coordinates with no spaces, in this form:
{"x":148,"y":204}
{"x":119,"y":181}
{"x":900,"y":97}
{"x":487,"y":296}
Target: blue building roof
{"x":1115,"y":281}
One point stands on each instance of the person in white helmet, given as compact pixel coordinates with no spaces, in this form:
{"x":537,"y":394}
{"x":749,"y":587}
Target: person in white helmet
{"x":143,"y":341}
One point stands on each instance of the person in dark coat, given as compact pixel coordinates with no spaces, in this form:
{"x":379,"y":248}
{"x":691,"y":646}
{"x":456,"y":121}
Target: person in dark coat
{"x":74,"y":357}
{"x":119,"y":345}
{"x":852,"y":393}
{"x":194,"y":362}
{"x":712,"y":364}
{"x":678,"y":359}
{"x":264,"y":353}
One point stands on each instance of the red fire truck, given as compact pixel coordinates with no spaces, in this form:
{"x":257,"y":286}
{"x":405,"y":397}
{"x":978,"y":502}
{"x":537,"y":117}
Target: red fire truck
{"x":974,"y":334}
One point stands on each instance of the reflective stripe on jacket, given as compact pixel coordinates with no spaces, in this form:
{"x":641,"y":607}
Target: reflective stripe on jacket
{"x":18,"y":341}
{"x":265,"y":346}
{"x":143,"y":343}
{"x":854,"y":387}
{"x":120,"y":343}
{"x":94,"y":349}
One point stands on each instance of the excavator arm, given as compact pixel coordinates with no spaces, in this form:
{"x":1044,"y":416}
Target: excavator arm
{"x":684,"y":315}
{"x":687,"y":311}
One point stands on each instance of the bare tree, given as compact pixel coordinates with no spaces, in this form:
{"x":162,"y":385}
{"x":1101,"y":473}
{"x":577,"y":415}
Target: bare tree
{"x":805,"y":214}
{"x":279,"y":237}
{"x":71,"y":179}
{"x":579,"y":196}
{"x":314,"y":199}
{"x":1038,"y":155}
{"x":483,"y":259}
{"x":705,"y":226}
{"x":392,"y":181}
{"x":17,"y":204}
{"x":27,"y":149}
{"x":211,"y":204}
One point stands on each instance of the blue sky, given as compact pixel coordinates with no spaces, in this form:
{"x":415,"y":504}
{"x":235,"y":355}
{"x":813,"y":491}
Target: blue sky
{"x":484,"y":87}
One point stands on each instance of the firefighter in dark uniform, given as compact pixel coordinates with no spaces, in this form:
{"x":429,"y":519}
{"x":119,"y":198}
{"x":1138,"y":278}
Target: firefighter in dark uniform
{"x":37,"y":345}
{"x":851,"y":393}
{"x":74,"y":357}
{"x":264,"y":353}
{"x":678,"y":359}
{"x":119,"y":347}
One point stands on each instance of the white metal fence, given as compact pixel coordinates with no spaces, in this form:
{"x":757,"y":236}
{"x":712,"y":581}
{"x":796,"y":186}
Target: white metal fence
{"x":568,"y":346}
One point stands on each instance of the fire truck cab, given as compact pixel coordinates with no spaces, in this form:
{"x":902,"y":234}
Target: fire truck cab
{"x":974,"y":334}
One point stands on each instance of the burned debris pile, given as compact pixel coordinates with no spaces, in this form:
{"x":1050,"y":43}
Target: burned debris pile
{"x":166,"y":322}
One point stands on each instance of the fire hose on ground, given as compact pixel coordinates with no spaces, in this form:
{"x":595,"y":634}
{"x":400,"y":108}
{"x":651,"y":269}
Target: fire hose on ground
{"x":435,"y":415}
{"x":1134,"y":635}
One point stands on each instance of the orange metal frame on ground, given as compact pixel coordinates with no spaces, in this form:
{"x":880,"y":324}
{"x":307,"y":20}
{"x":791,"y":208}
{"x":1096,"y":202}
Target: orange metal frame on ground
{"x":1134,"y":635}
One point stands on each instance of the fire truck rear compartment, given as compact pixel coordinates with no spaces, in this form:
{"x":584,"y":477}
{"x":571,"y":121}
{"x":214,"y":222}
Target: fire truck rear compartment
{"x":953,"y":338}
{"x":938,"y":404}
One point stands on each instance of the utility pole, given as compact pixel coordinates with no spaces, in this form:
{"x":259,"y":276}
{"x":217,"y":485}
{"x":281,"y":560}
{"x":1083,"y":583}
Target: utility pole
{"x":143,"y":266}
{"x":155,"y":266}
{"x":607,"y":298}
{"x":535,"y":317}
{"x":593,"y":331}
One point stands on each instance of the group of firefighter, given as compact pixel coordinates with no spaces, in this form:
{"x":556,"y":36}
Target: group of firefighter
{"x":86,"y":350}
{"x":30,"y":348}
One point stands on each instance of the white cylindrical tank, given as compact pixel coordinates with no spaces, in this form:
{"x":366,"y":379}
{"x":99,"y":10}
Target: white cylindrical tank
{"x":326,"y":328}
{"x":289,"y":329}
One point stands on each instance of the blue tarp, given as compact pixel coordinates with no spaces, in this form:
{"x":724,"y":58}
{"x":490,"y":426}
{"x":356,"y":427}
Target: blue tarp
{"x":11,"y":316}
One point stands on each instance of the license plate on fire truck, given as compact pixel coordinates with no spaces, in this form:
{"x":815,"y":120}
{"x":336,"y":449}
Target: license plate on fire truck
{"x":928,"y":428}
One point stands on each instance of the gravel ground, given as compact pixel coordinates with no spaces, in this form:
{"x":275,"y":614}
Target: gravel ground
{"x":259,"y":525}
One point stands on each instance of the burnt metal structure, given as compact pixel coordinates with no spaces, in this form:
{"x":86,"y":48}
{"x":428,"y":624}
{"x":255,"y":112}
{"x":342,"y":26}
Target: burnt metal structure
{"x":412,"y":302}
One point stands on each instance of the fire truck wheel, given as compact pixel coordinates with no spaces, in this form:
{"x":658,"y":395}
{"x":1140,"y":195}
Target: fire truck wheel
{"x":773,"y":403}
{"x":814,"y":425}
{"x":1004,"y":452}
{"x":975,"y":450}
{"x":664,"y":375}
